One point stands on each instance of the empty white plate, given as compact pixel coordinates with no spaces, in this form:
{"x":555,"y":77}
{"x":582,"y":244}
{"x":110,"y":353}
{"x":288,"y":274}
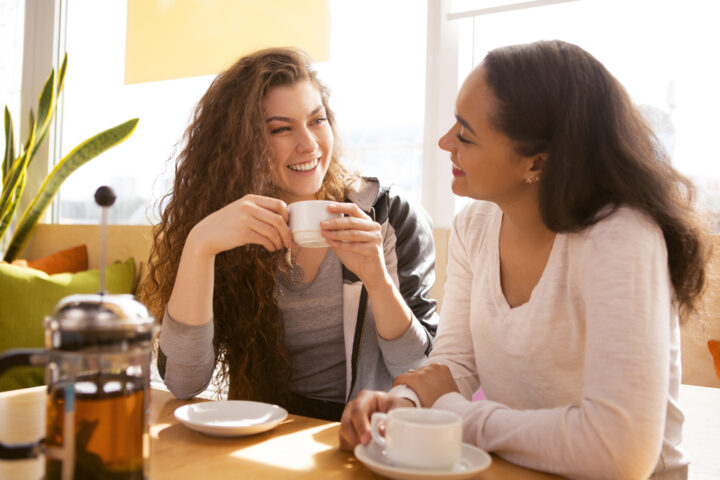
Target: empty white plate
{"x":230,"y":418}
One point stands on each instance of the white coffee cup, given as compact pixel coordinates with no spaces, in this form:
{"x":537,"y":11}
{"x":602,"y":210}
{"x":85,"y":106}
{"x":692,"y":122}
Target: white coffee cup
{"x":305,"y":218}
{"x":419,"y":437}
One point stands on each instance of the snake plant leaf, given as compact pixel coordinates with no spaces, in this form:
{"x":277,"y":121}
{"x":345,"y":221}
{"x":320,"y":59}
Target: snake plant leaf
{"x":61,"y":76}
{"x":45,"y":111}
{"x":84,"y":152}
{"x":7,"y":216}
{"x":12,"y":181}
{"x":9,"y":145}
{"x":46,"y":107}
{"x":31,"y":124}
{"x":47,"y":102}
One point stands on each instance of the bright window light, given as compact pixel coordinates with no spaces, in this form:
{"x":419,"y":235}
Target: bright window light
{"x":376,"y":74}
{"x":663,"y":52}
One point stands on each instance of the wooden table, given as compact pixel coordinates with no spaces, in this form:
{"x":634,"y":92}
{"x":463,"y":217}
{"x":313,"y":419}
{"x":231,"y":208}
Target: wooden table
{"x":299,"y":448}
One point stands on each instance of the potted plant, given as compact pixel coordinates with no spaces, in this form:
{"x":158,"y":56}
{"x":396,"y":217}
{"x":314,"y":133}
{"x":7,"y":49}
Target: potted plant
{"x":15,"y":168}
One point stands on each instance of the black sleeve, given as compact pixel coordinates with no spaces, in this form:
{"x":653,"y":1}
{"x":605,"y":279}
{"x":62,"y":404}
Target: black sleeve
{"x":415,"y":250}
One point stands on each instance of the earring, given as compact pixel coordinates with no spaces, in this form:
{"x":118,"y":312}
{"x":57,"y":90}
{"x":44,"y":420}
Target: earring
{"x":532,"y":180}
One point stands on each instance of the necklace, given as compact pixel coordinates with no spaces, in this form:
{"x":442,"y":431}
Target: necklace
{"x":294,"y":273}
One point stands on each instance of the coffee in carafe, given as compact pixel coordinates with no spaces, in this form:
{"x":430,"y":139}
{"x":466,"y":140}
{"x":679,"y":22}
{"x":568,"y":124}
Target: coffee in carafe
{"x":109,"y":427}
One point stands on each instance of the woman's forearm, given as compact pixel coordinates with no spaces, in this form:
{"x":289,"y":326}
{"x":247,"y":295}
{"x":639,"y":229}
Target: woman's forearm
{"x":392,"y":315}
{"x":191,"y":300}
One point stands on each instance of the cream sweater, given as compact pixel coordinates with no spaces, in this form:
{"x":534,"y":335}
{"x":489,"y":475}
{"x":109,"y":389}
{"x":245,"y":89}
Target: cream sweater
{"x":582,"y":380}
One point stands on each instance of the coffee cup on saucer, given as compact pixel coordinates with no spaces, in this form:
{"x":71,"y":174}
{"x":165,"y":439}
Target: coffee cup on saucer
{"x":305,"y":218}
{"x":419,"y":437}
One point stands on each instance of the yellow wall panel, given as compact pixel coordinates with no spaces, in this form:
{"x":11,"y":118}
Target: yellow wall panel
{"x":184,"y":38}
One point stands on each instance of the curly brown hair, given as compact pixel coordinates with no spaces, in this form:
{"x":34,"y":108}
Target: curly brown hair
{"x":226,"y":156}
{"x":555,"y":97}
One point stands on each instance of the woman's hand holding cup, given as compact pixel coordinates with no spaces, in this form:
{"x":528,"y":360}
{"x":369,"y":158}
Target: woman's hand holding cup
{"x":253,"y":219}
{"x":355,"y":421}
{"x":419,"y":437}
{"x":357,"y":241}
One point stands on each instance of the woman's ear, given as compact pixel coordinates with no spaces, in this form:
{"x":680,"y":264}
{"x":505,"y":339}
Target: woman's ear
{"x":536,"y":165}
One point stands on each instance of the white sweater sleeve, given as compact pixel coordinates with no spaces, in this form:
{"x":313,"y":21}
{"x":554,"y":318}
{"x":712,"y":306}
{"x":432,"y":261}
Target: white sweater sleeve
{"x":616,"y":428}
{"x":453,"y":342}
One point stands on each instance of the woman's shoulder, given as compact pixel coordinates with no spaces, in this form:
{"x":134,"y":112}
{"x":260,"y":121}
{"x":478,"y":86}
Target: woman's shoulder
{"x":363,"y":192}
{"x":475,"y":221}
{"x":624,"y":228}
{"x":389,"y":201}
{"x":476,"y":213}
{"x":625,"y":221}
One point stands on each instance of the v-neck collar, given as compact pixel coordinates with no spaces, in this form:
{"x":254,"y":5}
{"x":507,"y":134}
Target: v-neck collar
{"x":496,"y":281}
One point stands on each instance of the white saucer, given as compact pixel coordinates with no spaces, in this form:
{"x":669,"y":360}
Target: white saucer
{"x":230,"y":418}
{"x":472,"y":461}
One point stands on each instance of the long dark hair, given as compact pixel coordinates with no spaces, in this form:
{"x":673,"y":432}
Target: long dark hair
{"x":225,"y":157}
{"x":556,"y":98}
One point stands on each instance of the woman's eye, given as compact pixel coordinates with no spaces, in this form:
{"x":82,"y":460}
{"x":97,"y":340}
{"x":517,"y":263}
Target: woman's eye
{"x":279,"y":130}
{"x":318,"y":120}
{"x":462,"y":139}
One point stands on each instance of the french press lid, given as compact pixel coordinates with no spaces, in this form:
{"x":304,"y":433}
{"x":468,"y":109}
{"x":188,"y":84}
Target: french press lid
{"x":87,"y":320}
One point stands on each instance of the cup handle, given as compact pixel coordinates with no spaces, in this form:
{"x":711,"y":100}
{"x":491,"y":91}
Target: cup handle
{"x":20,"y":452}
{"x":22,"y":357}
{"x":375,"y":420}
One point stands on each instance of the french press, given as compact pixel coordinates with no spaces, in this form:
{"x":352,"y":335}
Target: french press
{"x":97,"y":370}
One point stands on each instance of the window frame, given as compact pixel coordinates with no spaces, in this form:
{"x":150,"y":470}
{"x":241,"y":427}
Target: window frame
{"x":41,"y":53}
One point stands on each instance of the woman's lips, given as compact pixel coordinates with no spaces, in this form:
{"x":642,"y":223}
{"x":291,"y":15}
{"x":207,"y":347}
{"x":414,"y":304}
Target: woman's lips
{"x":457,"y":172}
{"x":304,"y":168}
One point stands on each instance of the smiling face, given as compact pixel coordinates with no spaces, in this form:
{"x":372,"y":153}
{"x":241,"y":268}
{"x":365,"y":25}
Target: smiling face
{"x":485,"y":164}
{"x":300,"y":139}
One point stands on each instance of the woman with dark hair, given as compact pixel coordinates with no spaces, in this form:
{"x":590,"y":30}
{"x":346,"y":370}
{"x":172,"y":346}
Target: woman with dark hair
{"x":306,"y":328}
{"x":565,"y":277}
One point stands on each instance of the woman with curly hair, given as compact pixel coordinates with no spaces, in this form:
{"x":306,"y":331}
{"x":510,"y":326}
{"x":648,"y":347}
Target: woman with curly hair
{"x":223,"y":271}
{"x":566,"y":274}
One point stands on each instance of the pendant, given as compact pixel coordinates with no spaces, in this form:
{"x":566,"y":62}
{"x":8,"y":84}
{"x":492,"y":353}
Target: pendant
{"x":295,"y":274}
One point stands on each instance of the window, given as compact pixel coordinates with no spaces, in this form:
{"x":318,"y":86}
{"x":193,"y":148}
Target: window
{"x":663,"y":52}
{"x":96,"y":98}
{"x":375,"y":74}
{"x":384,"y":53}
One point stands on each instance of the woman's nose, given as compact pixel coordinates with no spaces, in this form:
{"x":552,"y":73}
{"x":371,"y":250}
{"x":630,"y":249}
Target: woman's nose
{"x":306,"y":140}
{"x":446,"y":142}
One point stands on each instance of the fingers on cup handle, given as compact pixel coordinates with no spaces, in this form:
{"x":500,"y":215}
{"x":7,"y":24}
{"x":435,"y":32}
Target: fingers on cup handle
{"x":286,"y":235}
{"x":273,"y":204}
{"x":347,"y":208}
{"x":280,"y":232}
{"x":377,"y":421}
{"x":361,"y":426}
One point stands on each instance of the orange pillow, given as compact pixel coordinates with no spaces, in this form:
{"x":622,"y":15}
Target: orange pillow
{"x":72,"y":260}
{"x":714,"y":347}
